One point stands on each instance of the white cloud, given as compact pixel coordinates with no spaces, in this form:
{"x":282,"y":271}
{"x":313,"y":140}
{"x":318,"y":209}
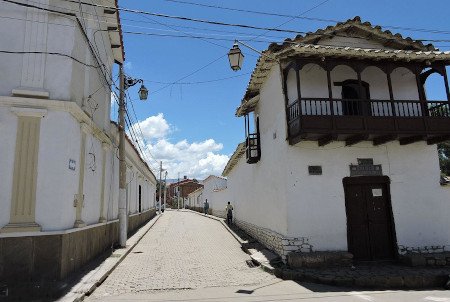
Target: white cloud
{"x":193,"y":159}
{"x":154,"y":127}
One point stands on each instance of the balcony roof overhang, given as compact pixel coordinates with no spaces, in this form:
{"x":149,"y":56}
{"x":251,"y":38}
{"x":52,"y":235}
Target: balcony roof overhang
{"x":404,"y":49}
{"x":240,"y":150}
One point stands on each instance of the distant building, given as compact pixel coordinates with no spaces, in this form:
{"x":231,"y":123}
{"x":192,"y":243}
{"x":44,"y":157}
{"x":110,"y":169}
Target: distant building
{"x":178,"y":192}
{"x":59,"y":157}
{"x":340,"y":150}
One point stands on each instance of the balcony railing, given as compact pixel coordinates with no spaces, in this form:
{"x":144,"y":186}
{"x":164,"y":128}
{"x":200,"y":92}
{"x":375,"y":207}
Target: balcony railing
{"x":312,"y":117}
{"x":339,"y":107}
{"x":253,"y":150}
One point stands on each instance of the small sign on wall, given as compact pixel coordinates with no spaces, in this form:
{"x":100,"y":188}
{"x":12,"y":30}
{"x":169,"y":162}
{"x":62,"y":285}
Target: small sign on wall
{"x":72,"y":164}
{"x":377,"y":192}
{"x":315,"y":170}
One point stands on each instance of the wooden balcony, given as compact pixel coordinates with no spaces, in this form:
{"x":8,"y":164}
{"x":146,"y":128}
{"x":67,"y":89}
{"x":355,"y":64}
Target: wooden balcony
{"x":253,"y":148}
{"x":380,"y":121}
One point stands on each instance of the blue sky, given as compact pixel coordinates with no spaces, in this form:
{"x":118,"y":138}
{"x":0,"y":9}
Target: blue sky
{"x":191,"y":126}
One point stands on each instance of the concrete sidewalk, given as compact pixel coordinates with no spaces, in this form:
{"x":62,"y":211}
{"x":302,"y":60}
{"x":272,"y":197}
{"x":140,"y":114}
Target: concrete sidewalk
{"x":96,"y":276}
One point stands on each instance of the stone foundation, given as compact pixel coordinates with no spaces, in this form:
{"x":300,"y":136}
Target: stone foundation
{"x":280,"y":244}
{"x":55,"y":256}
{"x":425,"y":256}
{"x":319,"y":259}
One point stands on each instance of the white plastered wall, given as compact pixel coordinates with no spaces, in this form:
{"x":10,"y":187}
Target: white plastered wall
{"x":258,"y":190}
{"x":57,"y":185}
{"x":277,"y":192}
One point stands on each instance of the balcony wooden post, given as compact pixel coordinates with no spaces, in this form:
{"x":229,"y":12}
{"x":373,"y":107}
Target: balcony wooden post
{"x":299,"y":91}
{"x":330,"y":92}
{"x":391,"y":95}
{"x":447,"y":89}
{"x":422,"y":98}
{"x":366,"y":102}
{"x":330,"y":99}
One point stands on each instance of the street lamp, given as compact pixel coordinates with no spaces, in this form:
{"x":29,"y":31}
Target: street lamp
{"x":143,"y":93}
{"x":235,"y":57}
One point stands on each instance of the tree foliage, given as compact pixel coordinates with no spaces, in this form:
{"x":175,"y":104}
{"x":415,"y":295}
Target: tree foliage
{"x":444,"y":157}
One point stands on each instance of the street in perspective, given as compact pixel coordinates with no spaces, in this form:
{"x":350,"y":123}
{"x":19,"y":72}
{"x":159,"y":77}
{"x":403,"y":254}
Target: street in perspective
{"x":195,"y":150}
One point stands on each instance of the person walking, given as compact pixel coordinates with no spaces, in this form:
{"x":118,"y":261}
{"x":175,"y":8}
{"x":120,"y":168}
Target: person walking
{"x":229,"y":210}
{"x":206,"y":206}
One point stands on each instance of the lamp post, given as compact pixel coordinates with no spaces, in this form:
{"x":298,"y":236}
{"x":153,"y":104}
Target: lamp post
{"x":165,"y":191}
{"x":125,"y":83}
{"x":160,"y":188}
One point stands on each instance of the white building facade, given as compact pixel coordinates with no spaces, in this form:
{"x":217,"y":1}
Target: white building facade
{"x":60,"y":168}
{"x":341,"y":152}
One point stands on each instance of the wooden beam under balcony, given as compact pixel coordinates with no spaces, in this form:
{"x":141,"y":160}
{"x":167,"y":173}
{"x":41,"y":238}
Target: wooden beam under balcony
{"x":437,"y":139}
{"x":411,"y":139}
{"x":383,"y":139}
{"x":354,"y":139}
{"x":326,"y":139}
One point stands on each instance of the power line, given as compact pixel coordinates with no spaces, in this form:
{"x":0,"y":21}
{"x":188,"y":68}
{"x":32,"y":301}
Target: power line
{"x":233,"y":25}
{"x":80,"y":26}
{"x":49,"y":53}
{"x":193,"y":37}
{"x":434,"y":31}
{"x":139,"y":126}
{"x":200,"y":82}
{"x":221,"y":23}
{"x":185,"y":18}
{"x":190,"y":74}
{"x":305,"y":12}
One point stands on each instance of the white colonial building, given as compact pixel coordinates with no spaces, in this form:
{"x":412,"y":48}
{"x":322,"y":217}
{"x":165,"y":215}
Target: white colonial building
{"x":59,"y":157}
{"x":340,"y":152}
{"x":213,"y":190}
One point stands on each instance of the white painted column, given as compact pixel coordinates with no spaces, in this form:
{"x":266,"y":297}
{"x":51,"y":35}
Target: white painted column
{"x":79,"y":198}
{"x":23,"y":201}
{"x":105,"y":148}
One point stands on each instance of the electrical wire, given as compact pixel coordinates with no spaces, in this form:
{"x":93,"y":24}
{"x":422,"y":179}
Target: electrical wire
{"x":49,"y":53}
{"x":299,"y":32}
{"x":190,"y":74}
{"x":139,"y":126}
{"x":434,"y":31}
{"x":78,"y":22}
{"x":213,"y":22}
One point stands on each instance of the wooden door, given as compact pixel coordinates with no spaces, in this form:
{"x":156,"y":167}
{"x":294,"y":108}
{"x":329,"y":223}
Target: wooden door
{"x":370,"y":228}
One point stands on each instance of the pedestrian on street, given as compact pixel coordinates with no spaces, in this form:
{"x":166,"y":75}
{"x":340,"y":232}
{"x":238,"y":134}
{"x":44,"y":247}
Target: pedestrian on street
{"x":229,"y":210}
{"x":206,"y":206}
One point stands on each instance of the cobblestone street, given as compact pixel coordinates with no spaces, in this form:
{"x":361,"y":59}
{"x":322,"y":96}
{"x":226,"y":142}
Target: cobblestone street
{"x":182,"y":251}
{"x":188,"y":257}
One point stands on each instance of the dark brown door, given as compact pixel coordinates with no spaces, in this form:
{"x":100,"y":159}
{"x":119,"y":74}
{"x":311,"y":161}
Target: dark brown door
{"x":370,"y":231}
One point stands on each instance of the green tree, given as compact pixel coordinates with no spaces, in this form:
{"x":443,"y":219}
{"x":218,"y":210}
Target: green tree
{"x":444,"y":157}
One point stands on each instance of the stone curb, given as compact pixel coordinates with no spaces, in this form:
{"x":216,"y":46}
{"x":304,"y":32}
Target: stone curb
{"x":93,"y":279}
{"x":378,"y":282}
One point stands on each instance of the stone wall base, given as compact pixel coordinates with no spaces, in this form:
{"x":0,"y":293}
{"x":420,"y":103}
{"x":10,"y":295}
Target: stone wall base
{"x":319,"y":259}
{"x":54,"y":257}
{"x":428,"y":259}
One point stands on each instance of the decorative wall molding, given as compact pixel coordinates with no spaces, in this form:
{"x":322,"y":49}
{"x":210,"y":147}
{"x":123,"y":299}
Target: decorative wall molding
{"x":35,"y":39}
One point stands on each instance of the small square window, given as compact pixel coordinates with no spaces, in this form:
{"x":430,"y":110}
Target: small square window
{"x":315,"y":170}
